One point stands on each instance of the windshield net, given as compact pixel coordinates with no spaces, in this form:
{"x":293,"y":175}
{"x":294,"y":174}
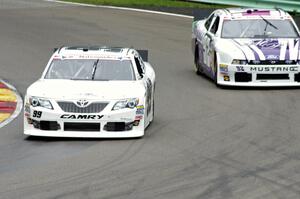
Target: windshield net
{"x":90,"y":69}
{"x":258,"y":28}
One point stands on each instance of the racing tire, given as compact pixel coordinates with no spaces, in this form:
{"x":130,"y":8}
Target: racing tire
{"x":198,"y":67}
{"x":153,"y":106}
{"x":152,"y":111}
{"x":216,"y":70}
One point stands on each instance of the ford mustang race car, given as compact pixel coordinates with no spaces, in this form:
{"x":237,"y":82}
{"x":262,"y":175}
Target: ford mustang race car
{"x":92,"y":92}
{"x":247,"y":47}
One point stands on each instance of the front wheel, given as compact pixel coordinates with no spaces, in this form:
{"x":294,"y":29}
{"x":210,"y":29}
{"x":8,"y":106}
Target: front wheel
{"x":216,"y":70}
{"x":198,"y":67}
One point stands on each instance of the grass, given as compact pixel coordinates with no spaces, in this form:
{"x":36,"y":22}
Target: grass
{"x":147,"y":3}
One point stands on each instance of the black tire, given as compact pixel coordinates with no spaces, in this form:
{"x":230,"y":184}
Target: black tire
{"x":153,"y":105}
{"x":152,"y":111}
{"x":216,"y":70}
{"x":198,"y":67}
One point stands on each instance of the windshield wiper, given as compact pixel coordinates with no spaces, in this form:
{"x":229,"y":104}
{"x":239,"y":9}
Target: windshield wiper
{"x":268,"y":23}
{"x":95,"y":68}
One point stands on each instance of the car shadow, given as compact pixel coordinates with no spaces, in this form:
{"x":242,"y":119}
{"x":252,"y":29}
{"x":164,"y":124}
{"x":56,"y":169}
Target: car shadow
{"x":248,"y":87}
{"x":69,"y":139}
{"x":258,"y":88}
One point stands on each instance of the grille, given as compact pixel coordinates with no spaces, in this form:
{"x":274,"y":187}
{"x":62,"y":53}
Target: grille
{"x":70,"y":126}
{"x":243,"y":77}
{"x":272,"y":76}
{"x":94,"y":107}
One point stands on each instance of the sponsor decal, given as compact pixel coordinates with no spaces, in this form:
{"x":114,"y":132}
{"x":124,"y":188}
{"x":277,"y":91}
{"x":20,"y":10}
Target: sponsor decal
{"x":126,"y":119}
{"x":27,"y":108}
{"x":140,"y":110}
{"x":240,"y":68}
{"x":272,"y":57}
{"x":223,"y":68}
{"x":138,"y":117}
{"x":274,"y":69}
{"x":269,"y":49}
{"x":226,"y":78}
{"x":81,"y":117}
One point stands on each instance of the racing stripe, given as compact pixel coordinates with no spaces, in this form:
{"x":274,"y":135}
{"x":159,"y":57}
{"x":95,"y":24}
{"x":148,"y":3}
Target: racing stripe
{"x":283,"y":50}
{"x":258,"y":53}
{"x":293,"y":49}
{"x":239,"y":46}
{"x":247,"y":51}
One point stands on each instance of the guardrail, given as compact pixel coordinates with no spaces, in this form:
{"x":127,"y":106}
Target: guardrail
{"x":288,"y":5}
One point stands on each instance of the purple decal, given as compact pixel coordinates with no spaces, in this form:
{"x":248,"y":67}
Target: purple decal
{"x":269,"y":47}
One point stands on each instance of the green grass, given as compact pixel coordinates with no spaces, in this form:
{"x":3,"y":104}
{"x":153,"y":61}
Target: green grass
{"x":147,"y":3}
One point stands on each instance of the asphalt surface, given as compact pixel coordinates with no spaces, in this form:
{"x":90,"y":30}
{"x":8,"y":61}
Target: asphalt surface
{"x":205,"y":142}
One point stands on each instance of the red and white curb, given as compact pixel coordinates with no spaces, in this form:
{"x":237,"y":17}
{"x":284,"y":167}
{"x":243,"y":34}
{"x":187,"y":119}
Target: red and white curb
{"x":10,"y":103}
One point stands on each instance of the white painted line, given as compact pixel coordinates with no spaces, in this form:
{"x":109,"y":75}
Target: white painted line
{"x":19,"y":105}
{"x":123,"y":8}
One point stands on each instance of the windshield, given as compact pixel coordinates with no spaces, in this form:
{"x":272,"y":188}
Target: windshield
{"x":90,"y":69}
{"x":259,"y":28}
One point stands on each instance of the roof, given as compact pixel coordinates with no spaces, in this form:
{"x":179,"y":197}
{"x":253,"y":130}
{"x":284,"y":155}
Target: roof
{"x":93,"y":52}
{"x":246,"y":13}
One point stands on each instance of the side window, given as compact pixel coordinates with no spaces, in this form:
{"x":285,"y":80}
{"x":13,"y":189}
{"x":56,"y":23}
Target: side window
{"x":139,"y":66}
{"x":215,"y":26}
{"x":208,"y":21}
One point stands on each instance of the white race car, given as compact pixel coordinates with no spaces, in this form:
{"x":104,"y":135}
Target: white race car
{"x":95,"y":92}
{"x":247,"y":47}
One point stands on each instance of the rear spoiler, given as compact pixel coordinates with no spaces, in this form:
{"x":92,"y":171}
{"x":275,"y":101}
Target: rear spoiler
{"x":143,"y":54}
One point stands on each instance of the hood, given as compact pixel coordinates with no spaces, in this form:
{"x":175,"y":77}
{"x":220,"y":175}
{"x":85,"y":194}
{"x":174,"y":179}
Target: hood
{"x":268,"y":49}
{"x":90,"y":90}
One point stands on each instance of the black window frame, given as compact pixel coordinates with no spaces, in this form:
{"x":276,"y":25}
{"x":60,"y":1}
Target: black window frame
{"x":139,"y":66}
{"x":208,"y":21}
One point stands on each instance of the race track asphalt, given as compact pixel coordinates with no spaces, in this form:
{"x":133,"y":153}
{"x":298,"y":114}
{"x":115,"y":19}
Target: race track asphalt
{"x":205,"y":142}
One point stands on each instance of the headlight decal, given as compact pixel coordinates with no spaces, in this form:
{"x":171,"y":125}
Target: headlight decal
{"x":126,"y":103}
{"x":40,"y":102}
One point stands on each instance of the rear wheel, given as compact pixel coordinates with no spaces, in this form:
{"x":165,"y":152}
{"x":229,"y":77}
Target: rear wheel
{"x":198,"y":67}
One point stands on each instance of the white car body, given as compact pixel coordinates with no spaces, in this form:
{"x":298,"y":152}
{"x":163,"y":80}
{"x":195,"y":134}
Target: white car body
{"x":84,"y":108}
{"x":253,"y":61}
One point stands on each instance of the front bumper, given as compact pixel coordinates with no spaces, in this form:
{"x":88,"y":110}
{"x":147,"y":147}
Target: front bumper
{"x":107,"y":124}
{"x":259,"y":75}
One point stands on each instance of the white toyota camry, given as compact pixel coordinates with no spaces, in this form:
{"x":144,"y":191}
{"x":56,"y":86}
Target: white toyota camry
{"x":248,"y":47}
{"x":92,"y":92}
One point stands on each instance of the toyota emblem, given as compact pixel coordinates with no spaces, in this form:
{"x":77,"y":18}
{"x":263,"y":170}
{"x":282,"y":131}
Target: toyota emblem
{"x":82,"y":103}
